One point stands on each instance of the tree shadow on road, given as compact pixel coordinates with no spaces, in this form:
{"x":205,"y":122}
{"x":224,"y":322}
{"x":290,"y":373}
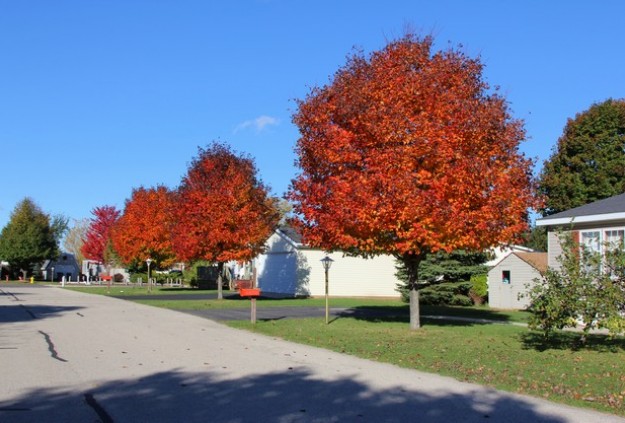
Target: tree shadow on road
{"x":291,"y":395}
{"x":22,"y":313}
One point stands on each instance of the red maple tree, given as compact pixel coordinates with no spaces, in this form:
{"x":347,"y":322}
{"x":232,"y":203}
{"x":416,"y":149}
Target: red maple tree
{"x":144,"y":229}
{"x":406,"y":152}
{"x":223,"y":211}
{"x":97,"y":237}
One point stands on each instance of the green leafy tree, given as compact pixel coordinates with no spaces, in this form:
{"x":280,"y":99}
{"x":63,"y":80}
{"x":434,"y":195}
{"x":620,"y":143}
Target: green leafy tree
{"x":59,"y":224}
{"x":588,"y":161}
{"x":588,"y":288}
{"x":536,"y":238}
{"x":444,"y":277}
{"x":28,"y":238}
{"x":457,"y":266}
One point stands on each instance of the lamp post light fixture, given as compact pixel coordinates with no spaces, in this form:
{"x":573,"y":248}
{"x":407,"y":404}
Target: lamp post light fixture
{"x":327,"y":263}
{"x":149,"y":262}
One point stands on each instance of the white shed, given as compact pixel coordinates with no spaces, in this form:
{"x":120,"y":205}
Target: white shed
{"x":511,"y":276}
{"x":288,"y":267}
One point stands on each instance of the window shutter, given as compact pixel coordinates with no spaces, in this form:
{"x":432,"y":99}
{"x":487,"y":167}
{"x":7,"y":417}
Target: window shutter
{"x":575,"y":236}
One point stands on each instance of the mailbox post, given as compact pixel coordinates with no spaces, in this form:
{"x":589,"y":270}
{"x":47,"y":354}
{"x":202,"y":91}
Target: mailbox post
{"x":252,"y":294}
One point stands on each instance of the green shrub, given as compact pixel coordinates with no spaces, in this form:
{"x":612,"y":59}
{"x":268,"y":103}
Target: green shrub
{"x":479,"y":289}
{"x":461,"y":300}
{"x":447,"y":293}
{"x":190,"y":273}
{"x":139,"y":275}
{"x":443,"y":276}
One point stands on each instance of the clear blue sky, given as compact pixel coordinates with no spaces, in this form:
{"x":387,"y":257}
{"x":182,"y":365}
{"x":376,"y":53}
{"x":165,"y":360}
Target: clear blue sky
{"x":98,"y":97}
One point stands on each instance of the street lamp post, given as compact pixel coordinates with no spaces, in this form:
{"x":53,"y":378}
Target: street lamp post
{"x":327,"y":263}
{"x":149,"y":262}
{"x":52,"y":275}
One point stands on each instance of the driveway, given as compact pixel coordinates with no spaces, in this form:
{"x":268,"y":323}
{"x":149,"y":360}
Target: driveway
{"x":71,"y":357}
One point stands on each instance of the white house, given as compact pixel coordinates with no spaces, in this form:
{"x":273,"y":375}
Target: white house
{"x":511,"y":277}
{"x":291,"y":268}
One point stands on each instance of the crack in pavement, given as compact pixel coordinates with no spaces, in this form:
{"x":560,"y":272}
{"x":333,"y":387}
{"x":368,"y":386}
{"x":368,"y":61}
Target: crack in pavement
{"x":53,"y":352}
{"x":100,"y":411}
{"x":9,"y":293}
{"x":28,"y":311}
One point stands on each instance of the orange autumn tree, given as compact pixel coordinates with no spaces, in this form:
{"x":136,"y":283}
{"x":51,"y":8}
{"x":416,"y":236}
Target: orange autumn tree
{"x":407,"y":152}
{"x":224,"y":212}
{"x":144,"y":229}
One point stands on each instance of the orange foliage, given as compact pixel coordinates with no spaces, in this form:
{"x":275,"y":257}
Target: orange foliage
{"x":406,"y":152}
{"x":223,"y":212}
{"x":144,"y":229}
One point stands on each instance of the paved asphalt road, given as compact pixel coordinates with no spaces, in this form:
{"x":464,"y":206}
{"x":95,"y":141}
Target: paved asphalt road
{"x":71,"y":357}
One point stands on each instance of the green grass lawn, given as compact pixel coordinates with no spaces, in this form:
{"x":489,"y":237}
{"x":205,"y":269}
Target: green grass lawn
{"x":236,"y":302}
{"x":394,"y":306}
{"x":502,"y":356}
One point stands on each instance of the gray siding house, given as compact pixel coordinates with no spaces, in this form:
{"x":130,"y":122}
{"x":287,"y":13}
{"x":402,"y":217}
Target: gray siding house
{"x":593,"y":225}
{"x":511,"y":276}
{"x":65,"y":266}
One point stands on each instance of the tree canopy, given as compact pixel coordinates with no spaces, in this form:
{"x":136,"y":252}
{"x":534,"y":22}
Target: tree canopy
{"x":223,"y":212}
{"x":97,"y":240}
{"x":144,"y":228}
{"x":28,"y":238}
{"x":408,"y":152}
{"x":587,"y":164}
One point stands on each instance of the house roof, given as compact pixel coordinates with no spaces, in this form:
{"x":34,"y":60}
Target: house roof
{"x":612,"y":208}
{"x":503,"y":251}
{"x":290,"y":233}
{"x":537,"y":260}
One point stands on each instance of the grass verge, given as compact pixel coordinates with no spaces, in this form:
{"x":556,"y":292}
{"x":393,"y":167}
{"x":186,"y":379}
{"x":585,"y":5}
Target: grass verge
{"x":502,"y":356}
{"x":231,"y":300}
{"x":131,"y":290}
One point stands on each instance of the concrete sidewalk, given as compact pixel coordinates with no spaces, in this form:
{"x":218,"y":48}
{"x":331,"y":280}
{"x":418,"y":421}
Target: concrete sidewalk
{"x":72,"y":357}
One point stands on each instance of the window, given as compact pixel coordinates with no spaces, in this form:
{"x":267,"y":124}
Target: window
{"x":591,"y":250}
{"x":614,"y":239}
{"x":592,"y":241}
{"x":598,"y":244}
{"x":505,"y":276}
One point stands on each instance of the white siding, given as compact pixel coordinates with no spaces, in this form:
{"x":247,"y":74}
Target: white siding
{"x":554,"y":250}
{"x":504,"y":295}
{"x":352,"y":276}
{"x":286,"y":269}
{"x":283,"y":273}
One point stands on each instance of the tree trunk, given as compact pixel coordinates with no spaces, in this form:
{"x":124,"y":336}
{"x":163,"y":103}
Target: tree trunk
{"x":415,"y":313}
{"x":220,"y":291}
{"x":411,"y":263}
